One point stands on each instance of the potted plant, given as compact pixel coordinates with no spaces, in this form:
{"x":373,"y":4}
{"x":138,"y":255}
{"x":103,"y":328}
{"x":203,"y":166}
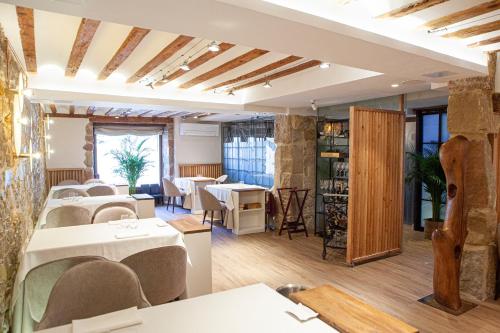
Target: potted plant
{"x":132,"y":161}
{"x":426,"y":168}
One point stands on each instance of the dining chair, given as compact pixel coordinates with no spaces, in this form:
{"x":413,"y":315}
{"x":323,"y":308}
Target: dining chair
{"x":68,"y":193}
{"x":221,"y":179}
{"x":94,"y":181}
{"x":172,"y":192}
{"x":209,"y":203}
{"x":125,"y":204}
{"x":113,"y":214}
{"x":162,"y":272}
{"x":68,"y":182}
{"x":39,"y":282}
{"x":91,"y":289}
{"x":101,"y":190}
{"x":67,"y":216}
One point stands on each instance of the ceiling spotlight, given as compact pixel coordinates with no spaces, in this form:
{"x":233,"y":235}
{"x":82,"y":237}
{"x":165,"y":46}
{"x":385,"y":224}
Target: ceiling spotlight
{"x":231,"y":92}
{"x":164,"y":78}
{"x":214,"y":47}
{"x":150,"y":85}
{"x":314,"y":106}
{"x":267,"y":84}
{"x":324,"y":65}
{"x":195,"y":117}
{"x":116,"y":117}
{"x":185,"y":66}
{"x":395,"y":85}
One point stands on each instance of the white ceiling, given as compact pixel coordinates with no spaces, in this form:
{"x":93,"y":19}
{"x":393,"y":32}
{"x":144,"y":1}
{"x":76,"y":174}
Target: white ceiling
{"x":369,"y":55}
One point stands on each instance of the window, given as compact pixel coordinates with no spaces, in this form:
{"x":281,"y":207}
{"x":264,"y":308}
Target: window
{"x":432,"y":129}
{"x":248,"y":152}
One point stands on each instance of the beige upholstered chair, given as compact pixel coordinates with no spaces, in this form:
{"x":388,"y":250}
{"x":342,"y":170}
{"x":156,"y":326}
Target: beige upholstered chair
{"x":172,"y":192}
{"x":162,"y":272}
{"x":94,"y":181}
{"x":68,"y":193}
{"x":40,"y":280}
{"x":221,"y":179}
{"x":91,"y":289}
{"x":209,"y":203}
{"x":67,"y":216}
{"x":68,"y":182}
{"x":113,"y":214}
{"x":128,"y":205}
{"x":101,"y":190}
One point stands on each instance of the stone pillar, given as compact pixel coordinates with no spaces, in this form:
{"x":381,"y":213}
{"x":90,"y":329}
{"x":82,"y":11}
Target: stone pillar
{"x":168,"y":151}
{"x":470,"y":113}
{"x":295,"y":159}
{"x":89,"y":150}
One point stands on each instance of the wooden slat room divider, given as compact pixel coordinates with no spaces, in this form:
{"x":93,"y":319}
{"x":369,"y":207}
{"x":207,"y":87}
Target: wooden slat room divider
{"x":376,"y":183}
{"x":213,"y":170}
{"x":54,"y":176}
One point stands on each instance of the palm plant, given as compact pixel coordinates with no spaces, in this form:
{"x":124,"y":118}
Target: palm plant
{"x":132,"y":161}
{"x":427,"y":169}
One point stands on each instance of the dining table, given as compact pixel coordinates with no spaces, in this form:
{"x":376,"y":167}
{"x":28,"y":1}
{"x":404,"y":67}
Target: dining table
{"x":190,"y":185}
{"x":249,"y":309}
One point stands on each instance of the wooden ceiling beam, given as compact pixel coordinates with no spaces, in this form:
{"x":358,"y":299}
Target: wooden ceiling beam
{"x":257,"y":72}
{"x":26,"y":23}
{"x":463,"y":15}
{"x":144,"y":113}
{"x":488,"y":41}
{"x":236,"y":62}
{"x":107,"y":113}
{"x":164,"y":113}
{"x":71,"y":109}
{"x":277,"y":75}
{"x":135,"y":36}
{"x":161,"y":57}
{"x":474,"y":30}
{"x":90,"y":111}
{"x":116,"y":120}
{"x":197,"y":62}
{"x":83,"y":38}
{"x":411,"y":8}
{"x":53,"y":108}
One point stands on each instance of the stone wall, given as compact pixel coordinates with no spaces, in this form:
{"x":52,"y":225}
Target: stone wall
{"x":22,"y":184}
{"x":89,"y":150}
{"x":168,"y":151}
{"x":295,"y":159}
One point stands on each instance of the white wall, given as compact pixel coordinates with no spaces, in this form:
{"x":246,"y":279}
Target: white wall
{"x":67,"y":138}
{"x":195,"y":149}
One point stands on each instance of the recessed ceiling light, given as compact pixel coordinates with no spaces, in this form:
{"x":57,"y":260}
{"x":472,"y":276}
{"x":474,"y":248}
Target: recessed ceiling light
{"x":116,"y":117}
{"x":395,"y":85}
{"x":195,"y":117}
{"x":214,"y":47}
{"x":267,"y":84}
{"x":185,"y":66}
{"x":324,"y":65}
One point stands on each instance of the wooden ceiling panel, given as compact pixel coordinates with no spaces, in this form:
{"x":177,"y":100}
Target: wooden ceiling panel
{"x":135,"y":36}
{"x":277,"y":75}
{"x":161,"y":57}
{"x":411,"y":8}
{"x":463,"y":15}
{"x":197,"y":62}
{"x":257,"y":72}
{"x":474,"y":30}
{"x":26,"y":23}
{"x":71,"y":109}
{"x":90,"y":110}
{"x":84,"y":36}
{"x":53,"y":108}
{"x":236,"y":62}
{"x":488,"y":41}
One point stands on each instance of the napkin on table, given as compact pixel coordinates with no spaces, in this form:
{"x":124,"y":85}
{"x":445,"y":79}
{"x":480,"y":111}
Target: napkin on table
{"x":301,"y":312}
{"x":131,"y":234}
{"x":108,"y":322}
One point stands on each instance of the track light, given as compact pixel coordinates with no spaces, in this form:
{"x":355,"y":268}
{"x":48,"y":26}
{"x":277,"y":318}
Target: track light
{"x":150,"y":85}
{"x":185,"y":66}
{"x":213,"y":47}
{"x":231,"y":92}
{"x":324,"y":65}
{"x":267,"y":84}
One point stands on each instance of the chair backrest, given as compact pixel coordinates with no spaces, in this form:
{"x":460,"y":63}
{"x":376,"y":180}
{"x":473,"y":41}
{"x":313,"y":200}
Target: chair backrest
{"x":68,"y":182}
{"x":155,"y":189}
{"x":128,"y":205}
{"x":67,"y":216}
{"x":101,"y":190}
{"x":91,"y":289}
{"x":145,"y":188}
{"x":69,"y":192}
{"x":170,"y":189}
{"x":40,"y":280}
{"x":113,"y":214}
{"x":221,"y":179}
{"x":208,"y":201}
{"x":162,"y":272}
{"x":94,"y":181}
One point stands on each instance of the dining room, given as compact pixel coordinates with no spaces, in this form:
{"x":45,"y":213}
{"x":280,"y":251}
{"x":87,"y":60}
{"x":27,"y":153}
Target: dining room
{"x":261,"y":166}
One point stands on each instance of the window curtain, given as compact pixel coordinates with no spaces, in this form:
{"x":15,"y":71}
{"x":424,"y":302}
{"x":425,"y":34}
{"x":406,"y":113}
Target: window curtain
{"x":117,"y":130}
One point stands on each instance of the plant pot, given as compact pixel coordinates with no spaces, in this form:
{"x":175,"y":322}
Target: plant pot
{"x":430,"y":226}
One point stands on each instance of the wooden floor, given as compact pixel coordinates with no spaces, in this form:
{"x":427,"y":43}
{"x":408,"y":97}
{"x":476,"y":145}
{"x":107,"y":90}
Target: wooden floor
{"x":393,"y":285}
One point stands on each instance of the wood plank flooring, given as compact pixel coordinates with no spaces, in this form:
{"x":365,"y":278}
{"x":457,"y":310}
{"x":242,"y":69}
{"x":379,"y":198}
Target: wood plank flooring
{"x":393,"y":285}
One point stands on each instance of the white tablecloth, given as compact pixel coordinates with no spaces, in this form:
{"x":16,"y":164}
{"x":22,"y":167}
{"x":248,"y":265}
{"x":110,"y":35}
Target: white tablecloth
{"x":189,"y":185}
{"x":90,"y":203}
{"x":77,"y":187}
{"x":251,"y":309}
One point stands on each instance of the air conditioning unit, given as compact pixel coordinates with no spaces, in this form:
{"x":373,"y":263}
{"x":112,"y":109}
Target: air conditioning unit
{"x":195,"y":129}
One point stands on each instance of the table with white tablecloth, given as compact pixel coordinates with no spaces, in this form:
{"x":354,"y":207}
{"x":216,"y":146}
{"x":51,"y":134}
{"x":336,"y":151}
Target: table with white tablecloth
{"x":89,"y":203}
{"x":83,"y":187}
{"x":250,"y":309}
{"x":189,"y":185}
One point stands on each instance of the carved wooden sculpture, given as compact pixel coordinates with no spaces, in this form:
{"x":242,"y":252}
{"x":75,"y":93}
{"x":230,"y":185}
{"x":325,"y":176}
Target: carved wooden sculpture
{"x":448,"y":243}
